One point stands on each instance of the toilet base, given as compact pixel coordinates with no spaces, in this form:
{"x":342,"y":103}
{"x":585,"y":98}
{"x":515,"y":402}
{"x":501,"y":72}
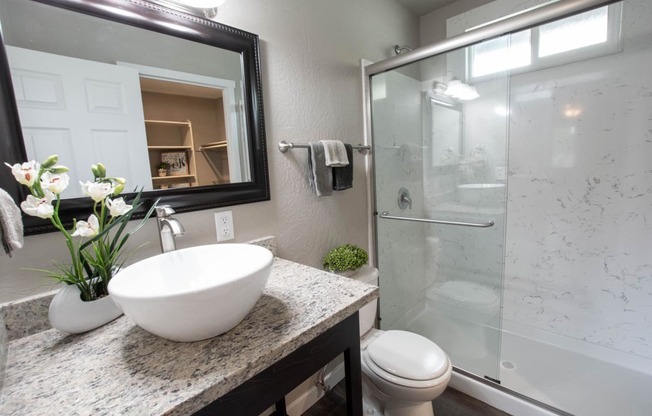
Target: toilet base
{"x":398,"y":409}
{"x":377,"y":403}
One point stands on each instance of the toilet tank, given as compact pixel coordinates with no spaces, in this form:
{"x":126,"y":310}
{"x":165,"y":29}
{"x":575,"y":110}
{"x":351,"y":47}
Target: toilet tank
{"x":367,"y":314}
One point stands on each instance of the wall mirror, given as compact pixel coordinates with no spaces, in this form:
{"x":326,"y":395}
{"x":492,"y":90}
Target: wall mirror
{"x":169,"y":101}
{"x":445,"y":116}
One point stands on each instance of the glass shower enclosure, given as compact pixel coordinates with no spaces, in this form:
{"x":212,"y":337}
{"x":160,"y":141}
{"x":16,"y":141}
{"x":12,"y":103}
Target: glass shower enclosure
{"x":443,"y":159}
{"x":512,"y":195}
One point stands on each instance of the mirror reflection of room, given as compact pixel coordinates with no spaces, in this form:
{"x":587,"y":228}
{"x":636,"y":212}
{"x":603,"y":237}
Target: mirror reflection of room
{"x":186,"y":136}
{"x":163,"y":112}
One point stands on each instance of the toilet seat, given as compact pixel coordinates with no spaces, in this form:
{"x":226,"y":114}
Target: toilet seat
{"x":406,"y":359}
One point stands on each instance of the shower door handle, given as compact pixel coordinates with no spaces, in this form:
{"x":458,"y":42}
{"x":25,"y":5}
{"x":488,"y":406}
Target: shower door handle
{"x":387,"y":215}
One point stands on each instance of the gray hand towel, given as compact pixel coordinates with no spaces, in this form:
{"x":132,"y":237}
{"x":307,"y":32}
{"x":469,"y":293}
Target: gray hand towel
{"x":321,"y":176}
{"x":343,"y":177}
{"x":11,"y":223}
{"x":335,"y":153}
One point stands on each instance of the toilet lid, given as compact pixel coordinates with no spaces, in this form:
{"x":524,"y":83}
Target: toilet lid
{"x":408,"y":355}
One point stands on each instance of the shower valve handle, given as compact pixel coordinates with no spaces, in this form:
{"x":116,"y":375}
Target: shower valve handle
{"x":404,"y":200}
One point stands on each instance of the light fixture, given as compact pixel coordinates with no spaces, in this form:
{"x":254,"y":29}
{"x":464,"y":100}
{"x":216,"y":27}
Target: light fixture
{"x":437,"y":96}
{"x":439,"y":87}
{"x":571,"y":111}
{"x":455,"y":89}
{"x":461,"y":90}
{"x":207,"y":8}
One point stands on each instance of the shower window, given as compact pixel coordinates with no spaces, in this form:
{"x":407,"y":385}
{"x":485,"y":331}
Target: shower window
{"x":586,"y":29}
{"x":586,"y":35}
{"x":496,"y":56}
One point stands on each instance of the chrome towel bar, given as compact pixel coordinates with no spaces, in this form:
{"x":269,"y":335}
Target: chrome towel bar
{"x":284,"y":146}
{"x":387,"y":215}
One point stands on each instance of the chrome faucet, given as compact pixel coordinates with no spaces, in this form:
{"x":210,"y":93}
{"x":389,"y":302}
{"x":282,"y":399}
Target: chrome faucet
{"x":168,"y":228}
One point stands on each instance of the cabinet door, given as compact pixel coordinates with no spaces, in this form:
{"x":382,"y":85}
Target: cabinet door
{"x":84,"y":111}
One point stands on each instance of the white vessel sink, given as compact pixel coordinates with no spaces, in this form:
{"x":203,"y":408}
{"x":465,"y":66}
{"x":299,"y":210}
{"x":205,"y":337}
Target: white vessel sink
{"x":194,"y":293}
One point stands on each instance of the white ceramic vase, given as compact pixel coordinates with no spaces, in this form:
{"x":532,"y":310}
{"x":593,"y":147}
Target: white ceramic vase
{"x":69,"y":313}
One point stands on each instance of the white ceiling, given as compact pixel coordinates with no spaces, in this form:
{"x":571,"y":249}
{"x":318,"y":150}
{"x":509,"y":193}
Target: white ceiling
{"x":422,"y":7}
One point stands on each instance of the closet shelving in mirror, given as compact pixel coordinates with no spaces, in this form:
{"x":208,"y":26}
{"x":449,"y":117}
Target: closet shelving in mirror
{"x":214,"y":152}
{"x":213,"y":145}
{"x":171,"y":142}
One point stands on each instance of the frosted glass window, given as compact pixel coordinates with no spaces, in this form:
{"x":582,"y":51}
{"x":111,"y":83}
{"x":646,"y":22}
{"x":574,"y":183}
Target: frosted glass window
{"x":589,"y":34}
{"x":499,"y":55}
{"x":575,"y":32}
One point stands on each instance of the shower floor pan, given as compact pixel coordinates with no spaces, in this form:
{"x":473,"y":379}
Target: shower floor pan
{"x":563,"y":376}
{"x":573,"y":381}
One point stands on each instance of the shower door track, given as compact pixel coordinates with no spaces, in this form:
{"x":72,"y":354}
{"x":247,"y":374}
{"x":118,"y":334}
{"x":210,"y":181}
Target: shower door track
{"x":532,"y":18}
{"x":509,"y":392}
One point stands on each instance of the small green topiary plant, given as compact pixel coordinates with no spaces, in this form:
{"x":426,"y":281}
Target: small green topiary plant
{"x":346,"y":257}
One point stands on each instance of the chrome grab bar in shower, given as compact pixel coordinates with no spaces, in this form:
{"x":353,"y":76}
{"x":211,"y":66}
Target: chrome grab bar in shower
{"x":387,"y":215}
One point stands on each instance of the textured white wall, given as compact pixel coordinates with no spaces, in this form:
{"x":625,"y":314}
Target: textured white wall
{"x":312,"y":90}
{"x":433,"y":25}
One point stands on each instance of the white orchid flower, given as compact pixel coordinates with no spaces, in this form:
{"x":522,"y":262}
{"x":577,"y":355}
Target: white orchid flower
{"x":118,"y":207}
{"x":96,"y":190}
{"x":55,"y":182}
{"x":39,"y":207}
{"x":25,"y":173}
{"x":88,"y":228}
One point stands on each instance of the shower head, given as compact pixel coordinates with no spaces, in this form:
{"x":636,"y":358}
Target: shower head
{"x":399,"y":49}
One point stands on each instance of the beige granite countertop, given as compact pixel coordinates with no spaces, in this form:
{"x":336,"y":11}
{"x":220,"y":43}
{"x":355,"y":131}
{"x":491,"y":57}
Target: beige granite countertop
{"x":120,"y":369}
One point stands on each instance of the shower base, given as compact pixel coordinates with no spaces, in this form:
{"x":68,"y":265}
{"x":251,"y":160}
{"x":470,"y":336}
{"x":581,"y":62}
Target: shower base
{"x":566,"y":374}
{"x":579,"y":378}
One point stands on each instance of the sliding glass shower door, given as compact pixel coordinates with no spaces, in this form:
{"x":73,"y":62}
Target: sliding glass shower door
{"x":440,"y":141}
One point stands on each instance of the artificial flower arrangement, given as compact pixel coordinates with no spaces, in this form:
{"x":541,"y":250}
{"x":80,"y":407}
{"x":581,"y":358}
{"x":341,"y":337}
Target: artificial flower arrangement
{"x":96,"y":259}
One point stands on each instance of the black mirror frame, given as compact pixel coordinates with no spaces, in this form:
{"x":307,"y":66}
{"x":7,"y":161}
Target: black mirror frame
{"x":156,"y":18}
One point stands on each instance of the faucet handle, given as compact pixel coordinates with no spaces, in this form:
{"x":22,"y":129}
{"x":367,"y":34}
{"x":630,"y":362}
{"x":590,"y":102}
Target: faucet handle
{"x":163,"y":211}
{"x":404,"y":199}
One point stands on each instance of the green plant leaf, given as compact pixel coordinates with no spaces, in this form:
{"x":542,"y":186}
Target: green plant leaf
{"x":346,"y":257}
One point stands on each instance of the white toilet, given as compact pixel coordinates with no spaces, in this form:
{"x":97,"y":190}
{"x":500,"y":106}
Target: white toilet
{"x":402,"y":372}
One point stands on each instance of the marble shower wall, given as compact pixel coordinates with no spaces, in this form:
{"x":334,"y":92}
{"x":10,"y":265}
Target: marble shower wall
{"x":397,"y":134}
{"x":579,"y":229}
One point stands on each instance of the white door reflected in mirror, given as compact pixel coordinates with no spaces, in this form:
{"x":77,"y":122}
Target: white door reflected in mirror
{"x":82,"y":111}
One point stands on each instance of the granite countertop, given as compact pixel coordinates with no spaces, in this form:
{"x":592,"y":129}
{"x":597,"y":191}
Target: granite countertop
{"x":122,"y":369}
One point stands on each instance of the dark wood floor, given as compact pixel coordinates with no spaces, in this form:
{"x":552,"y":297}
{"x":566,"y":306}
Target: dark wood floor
{"x":451,"y":403}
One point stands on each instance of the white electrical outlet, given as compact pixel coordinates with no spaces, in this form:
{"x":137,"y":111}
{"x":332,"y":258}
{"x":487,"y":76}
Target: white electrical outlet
{"x":224,"y":225}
